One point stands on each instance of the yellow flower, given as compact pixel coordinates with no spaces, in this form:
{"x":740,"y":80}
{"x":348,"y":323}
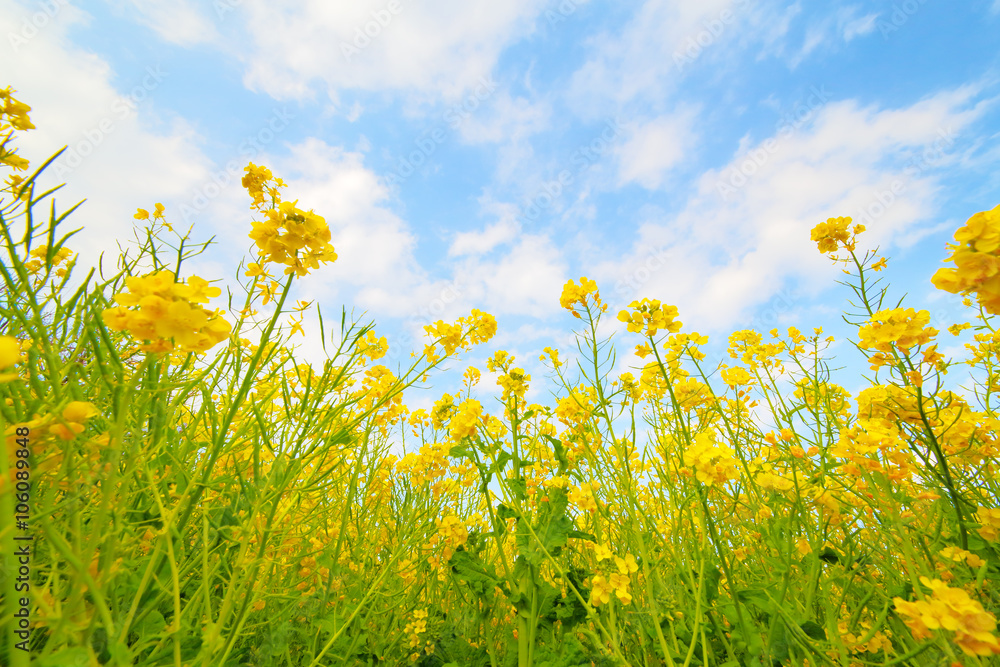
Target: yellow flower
{"x":894,"y":329}
{"x":803,"y":546}
{"x":141,"y":214}
{"x":583,"y":497}
{"x":514,"y":382}
{"x":472,"y":375}
{"x":602,"y":552}
{"x":626,"y":565}
{"x":736,"y":376}
{"x":79,"y":411}
{"x":977,"y":261}
{"x":10,"y":351}
{"x":167,"y":314}
{"x":466,"y":419}
{"x":953,"y":610}
{"x":453,"y":530}
{"x":298,"y":239}
{"x":649,"y":316}
{"x":447,"y":335}
{"x":989,"y":520}
{"x":711,"y":463}
{"x":15,"y":111}
{"x":371,"y":347}
{"x":600,"y":591}
{"x":573,"y":295}
{"x":553,"y":356}
{"x":833,"y":234}
{"x":199,"y":290}
{"x":619,"y":582}
{"x":74,"y":414}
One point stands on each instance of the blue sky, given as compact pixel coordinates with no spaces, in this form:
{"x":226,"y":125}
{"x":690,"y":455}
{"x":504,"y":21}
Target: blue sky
{"x":476,"y":154}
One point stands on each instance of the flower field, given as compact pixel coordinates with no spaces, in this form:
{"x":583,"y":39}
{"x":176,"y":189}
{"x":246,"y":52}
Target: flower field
{"x":176,"y":488}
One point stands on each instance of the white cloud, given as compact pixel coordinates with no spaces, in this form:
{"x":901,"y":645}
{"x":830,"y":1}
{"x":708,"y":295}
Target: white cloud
{"x":815,"y":36}
{"x":527,"y":280}
{"x":508,"y":119}
{"x":440,"y":49}
{"x":661,"y":43}
{"x":355,"y":112}
{"x":479,"y":243}
{"x":654,"y":147}
{"x":844,"y":24}
{"x":859,"y":27}
{"x":729,"y":255}
{"x":114,"y":160}
{"x":175,"y":21}
{"x":374,"y":246}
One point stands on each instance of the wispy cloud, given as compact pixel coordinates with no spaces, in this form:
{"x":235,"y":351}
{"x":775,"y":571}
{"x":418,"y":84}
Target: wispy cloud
{"x":728,"y":257}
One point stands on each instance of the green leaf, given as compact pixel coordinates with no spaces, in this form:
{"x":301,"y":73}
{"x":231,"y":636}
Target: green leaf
{"x":756,"y":597}
{"x":68,"y":657}
{"x":905,"y":591}
{"x":813,"y":630}
{"x":152,"y":624}
{"x":555,"y":534}
{"x":341,"y":437}
{"x":470,"y":569}
{"x":461,"y":452}
{"x":501,"y":462}
{"x":560,"y":452}
{"x":518,"y":487}
{"x":580,"y":535}
{"x":712,"y":584}
{"x":778,"y":648}
{"x":829,"y":555}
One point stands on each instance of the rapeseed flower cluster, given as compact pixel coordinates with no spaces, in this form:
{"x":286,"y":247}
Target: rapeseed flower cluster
{"x":514,"y":383}
{"x":832,"y":235}
{"x":710,"y":462}
{"x":453,"y":531}
{"x":552,"y":355}
{"x":749,"y":346}
{"x":574,"y":295}
{"x":466,"y":419}
{"x":39,"y":254}
{"x":13,"y":117}
{"x":297,"y":239}
{"x":478,"y":327}
{"x":649,"y":316}
{"x":953,"y":610}
{"x":371,"y":347}
{"x":260,"y":182}
{"x":895,"y":329}
{"x":10,"y":354}
{"x":977,"y":258}
{"x":989,"y":520}
{"x":74,"y":416}
{"x":583,"y":496}
{"x":616,"y":582}
{"x":416,"y":627}
{"x":166,"y":313}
